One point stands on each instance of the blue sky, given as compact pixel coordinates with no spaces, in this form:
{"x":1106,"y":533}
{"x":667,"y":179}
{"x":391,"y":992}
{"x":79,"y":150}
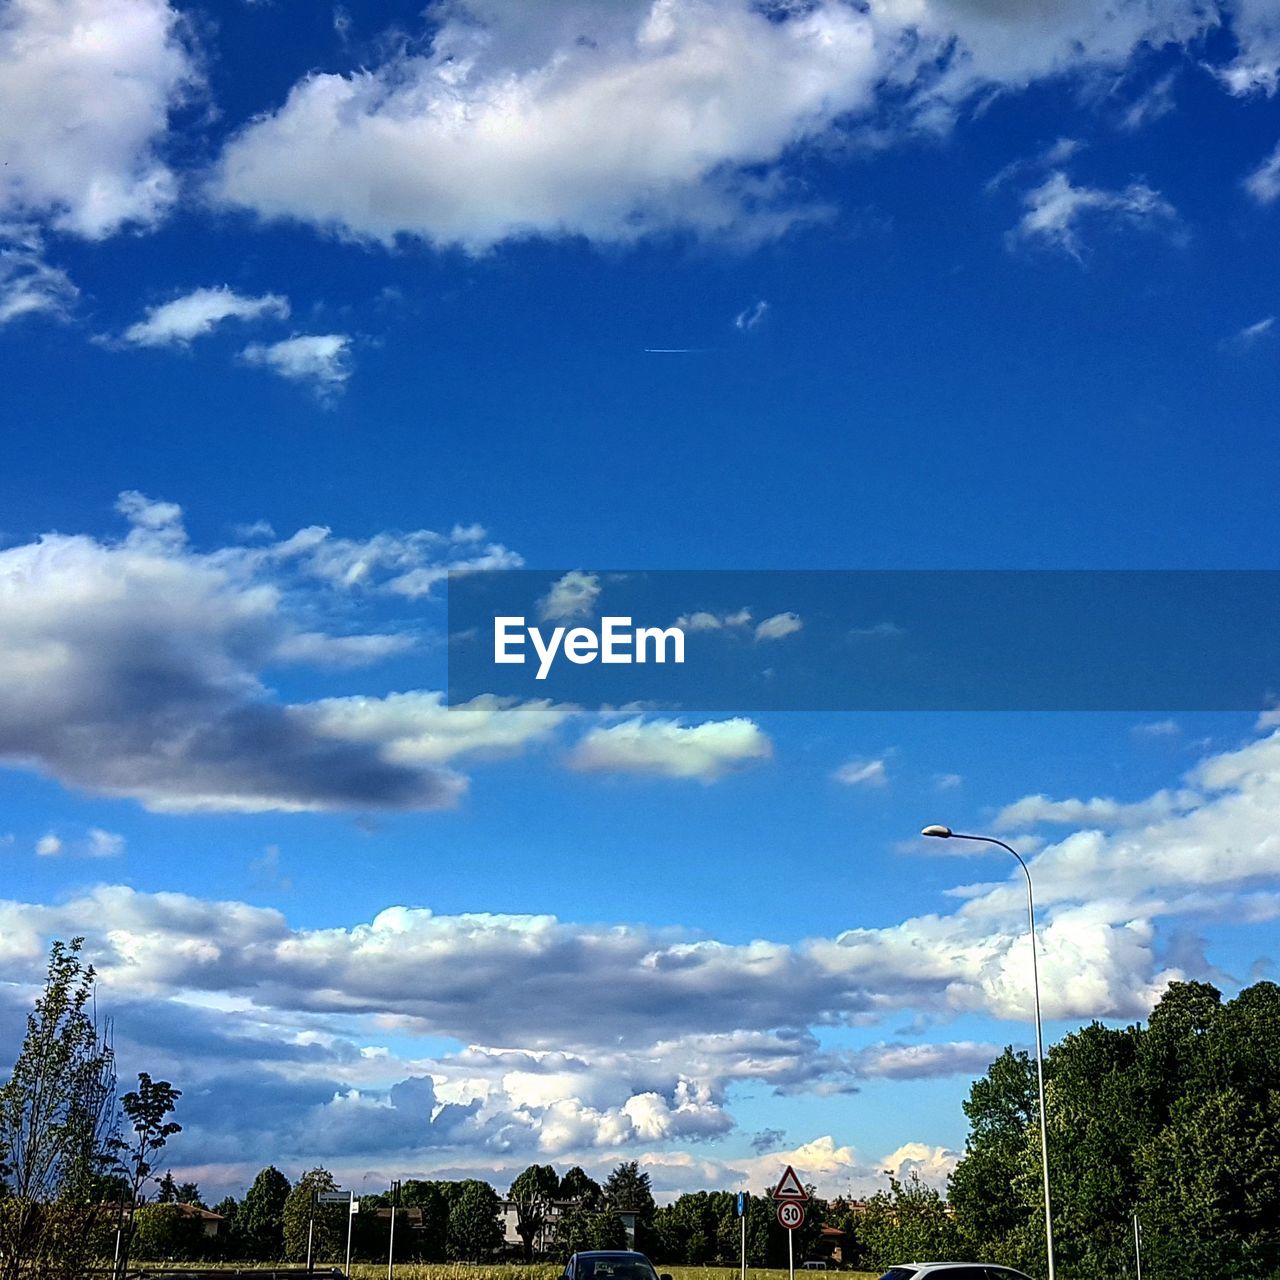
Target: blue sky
{"x":302,"y":306}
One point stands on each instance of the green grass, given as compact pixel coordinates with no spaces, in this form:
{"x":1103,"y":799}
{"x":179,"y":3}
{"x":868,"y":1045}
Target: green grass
{"x":500,"y":1271}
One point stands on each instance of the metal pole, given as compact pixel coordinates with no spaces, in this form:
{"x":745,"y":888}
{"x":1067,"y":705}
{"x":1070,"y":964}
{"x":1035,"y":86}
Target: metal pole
{"x":351,"y":1213}
{"x":1035,"y":990}
{"x":791,"y":1254}
{"x":391,"y":1247}
{"x":1137,"y":1244}
{"x":744,"y":1244}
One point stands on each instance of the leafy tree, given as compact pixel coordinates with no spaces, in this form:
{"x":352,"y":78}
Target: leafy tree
{"x":146,"y":1110}
{"x":474,"y":1230}
{"x":163,"y":1233}
{"x":167,"y":1190}
{"x":627,"y":1189}
{"x":326,"y":1221}
{"x":57,"y":1126}
{"x":189,"y":1193}
{"x":532,"y":1194}
{"x":433,"y":1201}
{"x":578,"y":1185}
{"x":260,"y":1219}
{"x":608,"y":1231}
{"x":907,"y":1221}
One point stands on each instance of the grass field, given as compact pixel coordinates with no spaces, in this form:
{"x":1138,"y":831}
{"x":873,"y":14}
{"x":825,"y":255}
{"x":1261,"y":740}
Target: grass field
{"x":508,"y":1271}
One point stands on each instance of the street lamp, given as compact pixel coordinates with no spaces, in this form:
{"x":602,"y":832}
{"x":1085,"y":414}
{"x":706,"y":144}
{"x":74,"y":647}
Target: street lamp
{"x":945,"y":833}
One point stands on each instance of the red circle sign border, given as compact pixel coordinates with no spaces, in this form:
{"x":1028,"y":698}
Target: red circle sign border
{"x":788,"y":1208}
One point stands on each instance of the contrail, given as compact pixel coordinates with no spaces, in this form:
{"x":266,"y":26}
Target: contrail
{"x":674,"y":351}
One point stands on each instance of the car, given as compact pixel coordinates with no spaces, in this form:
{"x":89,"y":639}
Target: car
{"x":610,"y":1264}
{"x":952,"y":1271}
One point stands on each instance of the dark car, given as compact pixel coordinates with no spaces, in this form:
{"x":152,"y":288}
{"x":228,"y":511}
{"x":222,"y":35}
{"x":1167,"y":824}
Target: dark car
{"x":952,"y":1271}
{"x":610,"y":1264}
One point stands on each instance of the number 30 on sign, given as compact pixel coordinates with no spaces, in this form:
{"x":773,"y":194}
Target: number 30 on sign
{"x":791,"y":1214}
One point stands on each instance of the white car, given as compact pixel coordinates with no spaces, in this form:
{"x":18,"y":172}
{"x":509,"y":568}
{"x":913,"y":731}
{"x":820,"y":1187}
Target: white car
{"x":952,"y":1271}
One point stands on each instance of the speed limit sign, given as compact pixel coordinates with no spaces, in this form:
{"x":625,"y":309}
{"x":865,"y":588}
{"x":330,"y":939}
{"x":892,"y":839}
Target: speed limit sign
{"x":791,"y":1214}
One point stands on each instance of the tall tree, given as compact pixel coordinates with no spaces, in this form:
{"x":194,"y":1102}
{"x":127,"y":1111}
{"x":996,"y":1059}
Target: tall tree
{"x":167,"y":1189}
{"x":532,"y":1193}
{"x":147,"y":1109}
{"x":57,"y":1125}
{"x":189,"y":1193}
{"x":578,"y":1185}
{"x":627,"y":1190}
{"x":260,"y":1220}
{"x":327,"y":1222}
{"x":474,"y":1230}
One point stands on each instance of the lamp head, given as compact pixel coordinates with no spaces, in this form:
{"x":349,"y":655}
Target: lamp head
{"x":943,"y":833}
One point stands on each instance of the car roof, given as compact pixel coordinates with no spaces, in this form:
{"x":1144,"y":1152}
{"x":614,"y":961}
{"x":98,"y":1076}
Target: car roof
{"x":610,"y":1253}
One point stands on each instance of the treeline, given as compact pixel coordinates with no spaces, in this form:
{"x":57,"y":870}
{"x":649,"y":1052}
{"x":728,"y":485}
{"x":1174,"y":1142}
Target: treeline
{"x":1176,"y":1123}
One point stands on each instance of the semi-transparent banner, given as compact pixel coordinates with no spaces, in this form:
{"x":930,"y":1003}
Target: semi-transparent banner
{"x":856,"y":640}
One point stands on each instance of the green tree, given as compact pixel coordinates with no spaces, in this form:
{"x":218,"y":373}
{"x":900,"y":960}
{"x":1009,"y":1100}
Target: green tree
{"x":433,"y":1201}
{"x":326,"y":1221}
{"x":189,"y":1193}
{"x":163,"y":1233}
{"x":474,"y":1230}
{"x":627,"y":1190}
{"x":532,"y":1194}
{"x":260,"y":1220}
{"x":608,"y":1231}
{"x":579,"y":1186}
{"x":908,"y":1221}
{"x":167,"y":1190}
{"x":146,"y":1110}
{"x":58,"y":1123}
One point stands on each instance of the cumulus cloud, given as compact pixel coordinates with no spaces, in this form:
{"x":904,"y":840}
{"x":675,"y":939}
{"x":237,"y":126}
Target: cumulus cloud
{"x":322,"y":360}
{"x":135,"y":668}
{"x":1057,"y":209}
{"x":194,"y":314}
{"x":572,"y":596}
{"x":672,"y":749}
{"x":86,"y":87}
{"x":617,"y":121}
{"x":29,"y":284}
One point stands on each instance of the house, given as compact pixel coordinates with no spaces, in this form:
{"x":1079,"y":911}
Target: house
{"x":545,"y":1240}
{"x":210,"y":1222}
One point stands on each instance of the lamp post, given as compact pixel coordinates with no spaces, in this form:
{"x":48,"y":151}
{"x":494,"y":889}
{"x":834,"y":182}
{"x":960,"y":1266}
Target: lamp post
{"x":945,"y":833}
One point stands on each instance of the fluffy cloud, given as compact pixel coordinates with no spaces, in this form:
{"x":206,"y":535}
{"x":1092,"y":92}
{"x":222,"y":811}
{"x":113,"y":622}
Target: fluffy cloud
{"x":322,"y":360}
{"x":1057,"y":208}
{"x":197,"y":313}
{"x":615,"y":121}
{"x":1263,"y":184}
{"x":135,"y":668}
{"x":1031,"y":810}
{"x":572,"y":596}
{"x":85,"y":91}
{"x":779,"y":626}
{"x":671,"y":749}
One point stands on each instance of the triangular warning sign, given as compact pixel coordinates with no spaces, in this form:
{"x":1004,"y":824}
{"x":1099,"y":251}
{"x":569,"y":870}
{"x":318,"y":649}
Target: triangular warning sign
{"x":789,"y":1188}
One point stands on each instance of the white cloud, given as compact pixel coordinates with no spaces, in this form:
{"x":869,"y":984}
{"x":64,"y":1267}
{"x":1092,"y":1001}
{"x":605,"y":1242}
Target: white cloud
{"x":135,"y":668}
{"x":29,"y":285}
{"x":862,"y":773}
{"x":749,"y":317}
{"x":103,"y":844}
{"x":1057,"y":208}
{"x":1097,"y":812}
{"x":572,"y":596}
{"x":1263,"y":184}
{"x":85,"y":91}
{"x":1256,"y":66}
{"x":199,"y":312}
{"x":320,"y":359}
{"x":615,"y":121}
{"x":779,"y":626}
{"x":49,"y":846}
{"x":703,"y":620}
{"x":671,"y":749}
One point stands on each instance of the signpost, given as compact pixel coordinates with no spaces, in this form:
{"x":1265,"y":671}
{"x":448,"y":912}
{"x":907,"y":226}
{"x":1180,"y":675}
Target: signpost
{"x":391,"y":1248}
{"x":340,"y":1197}
{"x":742,"y":1216}
{"x":790,"y":1196}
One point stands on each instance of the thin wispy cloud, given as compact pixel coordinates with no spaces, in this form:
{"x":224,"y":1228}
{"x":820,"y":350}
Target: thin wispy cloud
{"x":193,"y":315}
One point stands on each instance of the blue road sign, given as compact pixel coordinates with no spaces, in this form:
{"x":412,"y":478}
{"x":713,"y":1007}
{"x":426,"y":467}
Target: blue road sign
{"x":742,"y":1204}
